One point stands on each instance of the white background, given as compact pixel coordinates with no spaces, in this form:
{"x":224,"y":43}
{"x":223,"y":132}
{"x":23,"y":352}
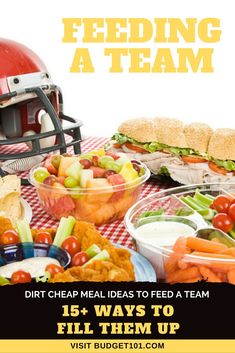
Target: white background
{"x":102,"y":100}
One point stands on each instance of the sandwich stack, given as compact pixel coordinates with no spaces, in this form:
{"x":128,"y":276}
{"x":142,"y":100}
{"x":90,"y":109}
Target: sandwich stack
{"x":189,"y":154}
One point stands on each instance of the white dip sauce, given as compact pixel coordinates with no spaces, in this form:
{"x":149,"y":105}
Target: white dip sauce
{"x":34,"y":265}
{"x":162,"y":233}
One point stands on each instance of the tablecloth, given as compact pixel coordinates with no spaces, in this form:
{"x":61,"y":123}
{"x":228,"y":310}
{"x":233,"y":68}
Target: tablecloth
{"x":115,"y":231}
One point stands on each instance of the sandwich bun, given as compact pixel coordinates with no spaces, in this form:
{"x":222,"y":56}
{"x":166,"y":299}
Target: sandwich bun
{"x":222,"y":144}
{"x":170,"y":132}
{"x":140,"y":129}
{"x":198,"y":136}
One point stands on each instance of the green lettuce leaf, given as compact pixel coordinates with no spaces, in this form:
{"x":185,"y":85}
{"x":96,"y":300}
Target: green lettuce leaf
{"x":164,"y":171}
{"x":120,"y":138}
{"x":154,"y":146}
{"x":228,"y":165}
{"x":179,"y":151}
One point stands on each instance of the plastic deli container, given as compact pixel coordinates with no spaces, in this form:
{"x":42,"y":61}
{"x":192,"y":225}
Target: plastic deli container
{"x":99,"y":206}
{"x":155,"y":235}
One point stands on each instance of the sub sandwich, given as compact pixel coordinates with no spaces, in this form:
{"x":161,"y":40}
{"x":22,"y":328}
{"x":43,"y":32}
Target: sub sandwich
{"x":189,"y":154}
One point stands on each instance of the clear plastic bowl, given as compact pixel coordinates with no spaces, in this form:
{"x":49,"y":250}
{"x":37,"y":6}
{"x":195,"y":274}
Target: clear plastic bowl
{"x":98,"y":206}
{"x":168,"y":200}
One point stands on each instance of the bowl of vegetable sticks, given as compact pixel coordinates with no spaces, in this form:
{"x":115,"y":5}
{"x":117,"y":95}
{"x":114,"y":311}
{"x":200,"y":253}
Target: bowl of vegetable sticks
{"x":187,"y":257}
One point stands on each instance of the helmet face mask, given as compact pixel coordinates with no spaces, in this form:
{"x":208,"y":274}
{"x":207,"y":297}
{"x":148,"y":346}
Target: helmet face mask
{"x":26,"y":96}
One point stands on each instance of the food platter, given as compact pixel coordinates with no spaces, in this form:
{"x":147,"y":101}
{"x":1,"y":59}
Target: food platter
{"x":73,"y":252}
{"x":176,"y":219}
{"x":157,"y":221}
{"x":144,"y":271}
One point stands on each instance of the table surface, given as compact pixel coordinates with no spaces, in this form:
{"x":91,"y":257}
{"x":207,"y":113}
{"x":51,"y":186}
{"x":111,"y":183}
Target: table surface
{"x":115,"y":231}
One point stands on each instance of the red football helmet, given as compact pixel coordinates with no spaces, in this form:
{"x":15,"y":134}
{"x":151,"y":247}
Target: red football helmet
{"x":28,"y":97}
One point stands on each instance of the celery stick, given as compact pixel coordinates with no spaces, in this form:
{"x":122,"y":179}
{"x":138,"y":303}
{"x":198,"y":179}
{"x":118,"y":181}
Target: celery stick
{"x":191,"y":203}
{"x":207,"y":214}
{"x":203,"y":199}
{"x":232,"y":233}
{"x":158,"y":212}
{"x":197,"y":202}
{"x":24,"y":231}
{"x":210,"y":197}
{"x":183,"y":212}
{"x":4,"y":281}
{"x":93,"y":250}
{"x":45,"y":278}
{"x":103,"y":256}
{"x":64,"y":230}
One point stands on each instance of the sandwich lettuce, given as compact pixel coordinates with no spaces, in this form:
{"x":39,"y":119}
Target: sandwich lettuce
{"x":164,"y":171}
{"x":227,"y":164}
{"x":152,"y":147}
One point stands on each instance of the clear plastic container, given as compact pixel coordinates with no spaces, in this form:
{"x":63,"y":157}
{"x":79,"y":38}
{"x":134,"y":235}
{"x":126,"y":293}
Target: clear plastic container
{"x":98,"y":206}
{"x":168,"y":200}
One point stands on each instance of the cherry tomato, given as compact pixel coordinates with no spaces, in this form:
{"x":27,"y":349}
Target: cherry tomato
{"x":72,"y":245}
{"x":54,"y":269}
{"x":79,"y":259}
{"x":231,"y":211}
{"x":21,"y":277}
{"x":221,"y":204}
{"x":223,"y":222}
{"x":9,"y":237}
{"x":43,"y":237}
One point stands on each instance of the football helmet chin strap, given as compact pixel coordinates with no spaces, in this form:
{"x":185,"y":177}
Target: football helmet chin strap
{"x":58,"y":132}
{"x":13,"y":163}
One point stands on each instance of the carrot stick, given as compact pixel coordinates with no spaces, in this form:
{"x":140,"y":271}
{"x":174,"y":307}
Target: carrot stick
{"x":179,"y":248}
{"x":204,"y":245}
{"x":228,"y":251}
{"x":182,"y":275}
{"x":221,"y":267}
{"x":231,"y":276}
{"x":215,"y":256}
{"x":183,"y":265}
{"x":170,"y":264}
{"x":208,"y":275}
{"x":180,"y":245}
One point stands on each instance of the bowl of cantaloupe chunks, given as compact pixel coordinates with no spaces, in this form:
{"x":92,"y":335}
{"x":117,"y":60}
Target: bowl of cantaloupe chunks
{"x":97,"y":186}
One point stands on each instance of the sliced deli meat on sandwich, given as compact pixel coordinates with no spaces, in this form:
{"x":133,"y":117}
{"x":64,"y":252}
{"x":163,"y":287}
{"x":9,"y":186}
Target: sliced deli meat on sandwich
{"x":189,"y":154}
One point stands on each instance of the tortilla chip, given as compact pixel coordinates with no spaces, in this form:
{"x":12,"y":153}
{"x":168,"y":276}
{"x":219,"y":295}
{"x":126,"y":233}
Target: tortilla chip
{"x":10,"y":205}
{"x":8,"y":184}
